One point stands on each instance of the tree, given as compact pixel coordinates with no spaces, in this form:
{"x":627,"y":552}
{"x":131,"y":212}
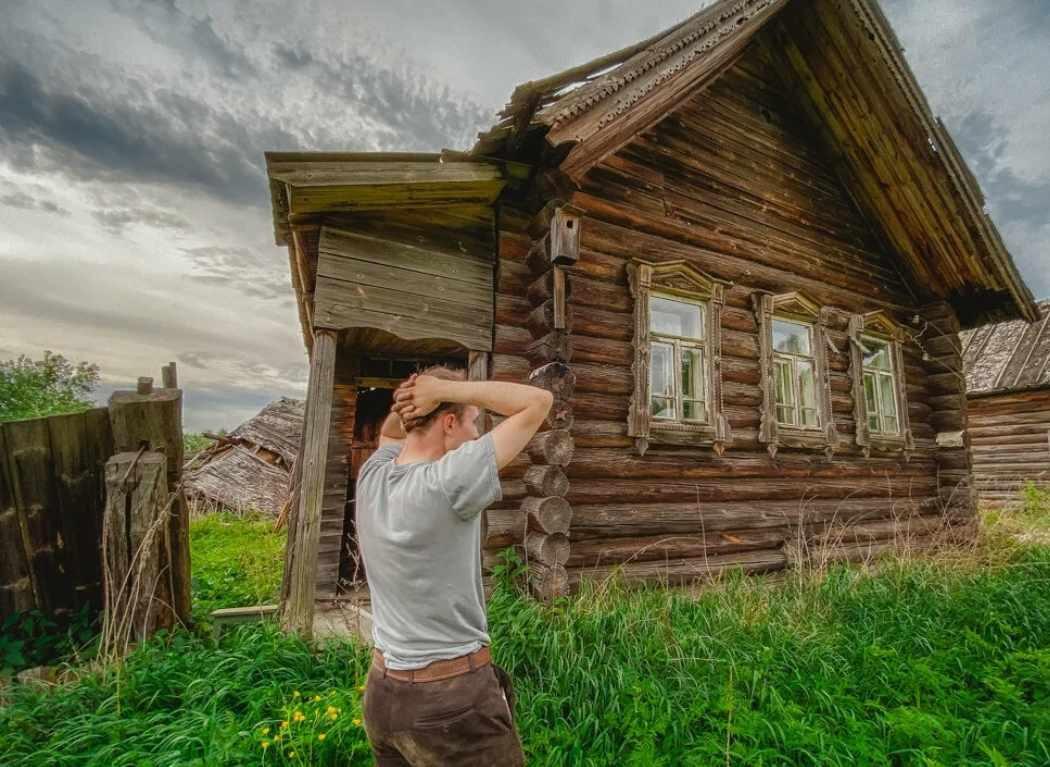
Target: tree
{"x":33,"y":388}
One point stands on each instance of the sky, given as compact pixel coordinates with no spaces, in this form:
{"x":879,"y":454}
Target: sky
{"x":135,"y":226}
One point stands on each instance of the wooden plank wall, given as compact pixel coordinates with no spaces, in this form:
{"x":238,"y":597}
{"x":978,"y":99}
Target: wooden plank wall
{"x":735,"y":183}
{"x":411,"y":291}
{"x":52,"y":495}
{"x":337,"y":474}
{"x":1010,"y":443}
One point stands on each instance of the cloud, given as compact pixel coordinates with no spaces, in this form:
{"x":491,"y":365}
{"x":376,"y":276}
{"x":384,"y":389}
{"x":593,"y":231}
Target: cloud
{"x":195,"y":39}
{"x":253,"y":272}
{"x":26,"y":201}
{"x":117,"y":220}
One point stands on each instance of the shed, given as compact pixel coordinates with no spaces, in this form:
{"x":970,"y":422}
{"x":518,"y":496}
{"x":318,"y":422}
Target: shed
{"x":1008,"y":395}
{"x":739,"y":252}
{"x":250,"y":467}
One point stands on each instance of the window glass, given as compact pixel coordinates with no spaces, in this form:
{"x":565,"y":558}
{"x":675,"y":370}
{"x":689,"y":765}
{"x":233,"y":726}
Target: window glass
{"x":675,"y":318}
{"x":877,"y":354}
{"x":807,"y":393}
{"x":791,"y":337}
{"x":693,"y":398}
{"x":661,"y":381}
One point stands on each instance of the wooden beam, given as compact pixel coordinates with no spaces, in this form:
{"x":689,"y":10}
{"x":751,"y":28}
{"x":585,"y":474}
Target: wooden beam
{"x":298,"y":610}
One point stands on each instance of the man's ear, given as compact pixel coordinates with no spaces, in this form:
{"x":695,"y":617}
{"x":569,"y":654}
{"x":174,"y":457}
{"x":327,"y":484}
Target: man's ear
{"x":448,"y":421}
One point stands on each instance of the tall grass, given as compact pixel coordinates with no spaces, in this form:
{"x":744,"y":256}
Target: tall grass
{"x":919,"y":662}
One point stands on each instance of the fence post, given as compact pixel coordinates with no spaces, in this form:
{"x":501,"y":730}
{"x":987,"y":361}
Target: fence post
{"x":154,"y":420}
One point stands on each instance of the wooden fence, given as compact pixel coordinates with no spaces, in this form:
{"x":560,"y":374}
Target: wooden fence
{"x":53,"y":495}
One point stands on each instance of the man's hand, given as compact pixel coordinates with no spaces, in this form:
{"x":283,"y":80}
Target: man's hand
{"x":417,"y":397}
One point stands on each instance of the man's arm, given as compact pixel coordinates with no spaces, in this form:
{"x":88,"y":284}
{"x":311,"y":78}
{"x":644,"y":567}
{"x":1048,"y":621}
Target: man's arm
{"x":524,"y":406}
{"x":393,"y":431}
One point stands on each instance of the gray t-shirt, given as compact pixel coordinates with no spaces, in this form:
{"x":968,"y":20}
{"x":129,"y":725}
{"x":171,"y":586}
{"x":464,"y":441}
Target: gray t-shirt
{"x":419,"y":529}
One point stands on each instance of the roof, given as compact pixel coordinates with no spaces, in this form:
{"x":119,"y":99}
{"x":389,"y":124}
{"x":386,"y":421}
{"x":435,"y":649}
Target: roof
{"x":1008,"y":356}
{"x":249,"y":467}
{"x":842,"y":57}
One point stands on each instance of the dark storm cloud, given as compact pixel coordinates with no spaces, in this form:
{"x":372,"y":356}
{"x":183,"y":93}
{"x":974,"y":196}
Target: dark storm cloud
{"x":193,"y":38}
{"x":92,"y":133}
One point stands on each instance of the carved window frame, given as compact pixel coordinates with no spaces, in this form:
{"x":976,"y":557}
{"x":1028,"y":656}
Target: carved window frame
{"x":794,"y":307}
{"x":882,"y":327}
{"x":681,"y":279}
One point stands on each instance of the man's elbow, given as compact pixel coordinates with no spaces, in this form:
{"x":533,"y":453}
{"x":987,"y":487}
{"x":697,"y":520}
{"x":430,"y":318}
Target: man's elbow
{"x":544,"y":401}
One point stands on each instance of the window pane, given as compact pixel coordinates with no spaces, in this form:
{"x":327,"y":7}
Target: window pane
{"x":786,"y":415}
{"x":890,"y":425}
{"x":695,"y":410}
{"x":661,"y":407}
{"x":692,"y":373}
{"x":784,"y":389}
{"x":869,"y":394}
{"x":878,"y":355}
{"x":887,"y":401}
{"x":807,"y":391}
{"x":675,"y":318}
{"x":809,"y":417}
{"x":661,"y":381}
{"x":791,"y":337}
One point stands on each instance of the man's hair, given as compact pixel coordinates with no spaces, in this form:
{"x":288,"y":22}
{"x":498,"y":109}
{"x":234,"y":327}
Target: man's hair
{"x":446,"y":374}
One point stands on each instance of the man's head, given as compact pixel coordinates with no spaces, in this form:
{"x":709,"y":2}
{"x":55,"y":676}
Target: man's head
{"x":450,"y":424}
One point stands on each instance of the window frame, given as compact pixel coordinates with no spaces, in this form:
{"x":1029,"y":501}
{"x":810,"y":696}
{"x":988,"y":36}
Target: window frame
{"x":797,"y":308}
{"x":677,"y":343}
{"x":677,"y":280}
{"x":792,"y":359}
{"x":881,"y":327}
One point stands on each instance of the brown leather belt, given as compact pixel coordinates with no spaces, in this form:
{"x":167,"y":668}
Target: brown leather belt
{"x":439,"y":669}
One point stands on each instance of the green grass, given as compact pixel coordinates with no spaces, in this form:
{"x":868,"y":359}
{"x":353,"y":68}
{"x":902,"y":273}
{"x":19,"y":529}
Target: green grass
{"x":236,"y":562}
{"x":925,"y":662}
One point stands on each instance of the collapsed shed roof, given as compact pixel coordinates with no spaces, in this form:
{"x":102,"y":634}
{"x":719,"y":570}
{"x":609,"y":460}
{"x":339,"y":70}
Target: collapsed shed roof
{"x":249,"y":468}
{"x":1008,"y":356}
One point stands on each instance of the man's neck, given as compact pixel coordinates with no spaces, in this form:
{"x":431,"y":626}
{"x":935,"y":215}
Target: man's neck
{"x":419,"y":449}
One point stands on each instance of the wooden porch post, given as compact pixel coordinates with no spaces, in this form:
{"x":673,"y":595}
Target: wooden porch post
{"x":297,"y":613}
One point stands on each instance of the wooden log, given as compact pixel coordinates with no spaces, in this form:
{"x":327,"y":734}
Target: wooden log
{"x":138,"y":598}
{"x":169,"y":376}
{"x":591,"y":552}
{"x":547,"y":515}
{"x":543,"y":481}
{"x":155,"y":420}
{"x":552,"y":448}
{"x":16,"y":577}
{"x":678,"y":571}
{"x":298,"y":611}
{"x":547,"y":583}
{"x":549,"y":550}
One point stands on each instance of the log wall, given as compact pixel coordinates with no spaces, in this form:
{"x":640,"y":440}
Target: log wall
{"x":735,"y":183}
{"x":1010,"y":443}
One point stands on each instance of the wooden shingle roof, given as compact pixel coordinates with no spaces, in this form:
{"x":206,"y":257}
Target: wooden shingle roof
{"x":846,"y":69}
{"x":1008,"y":356}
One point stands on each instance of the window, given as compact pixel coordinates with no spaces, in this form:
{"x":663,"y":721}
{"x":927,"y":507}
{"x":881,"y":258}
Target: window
{"x":880,"y":404}
{"x":796,"y":389}
{"x":677,"y":396}
{"x":880,"y":387}
{"x":795,"y":372}
{"x":677,"y":373}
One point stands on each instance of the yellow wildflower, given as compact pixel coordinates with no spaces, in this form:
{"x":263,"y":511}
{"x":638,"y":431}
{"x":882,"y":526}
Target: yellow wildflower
{"x":295,"y":693}
{"x":361,"y":688}
{"x":317,"y":698}
{"x":284,"y":724}
{"x":357,"y":723}
{"x":264,"y":731}
{"x":291,"y":754}
{"x":265,"y":744}
{"x":320,"y":736}
{"x":298,"y":716}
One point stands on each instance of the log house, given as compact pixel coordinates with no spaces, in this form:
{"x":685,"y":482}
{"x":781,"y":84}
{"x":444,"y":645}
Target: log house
{"x":739,"y":252}
{"x":1008,"y":401}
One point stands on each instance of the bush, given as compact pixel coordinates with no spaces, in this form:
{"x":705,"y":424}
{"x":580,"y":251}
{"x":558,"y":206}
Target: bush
{"x":49,"y":386}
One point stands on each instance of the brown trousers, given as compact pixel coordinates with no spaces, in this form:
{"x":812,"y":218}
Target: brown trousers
{"x":465,"y":721}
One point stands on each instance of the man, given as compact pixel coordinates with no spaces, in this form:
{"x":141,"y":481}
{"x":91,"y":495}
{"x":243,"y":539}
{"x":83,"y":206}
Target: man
{"x":433,"y":695}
